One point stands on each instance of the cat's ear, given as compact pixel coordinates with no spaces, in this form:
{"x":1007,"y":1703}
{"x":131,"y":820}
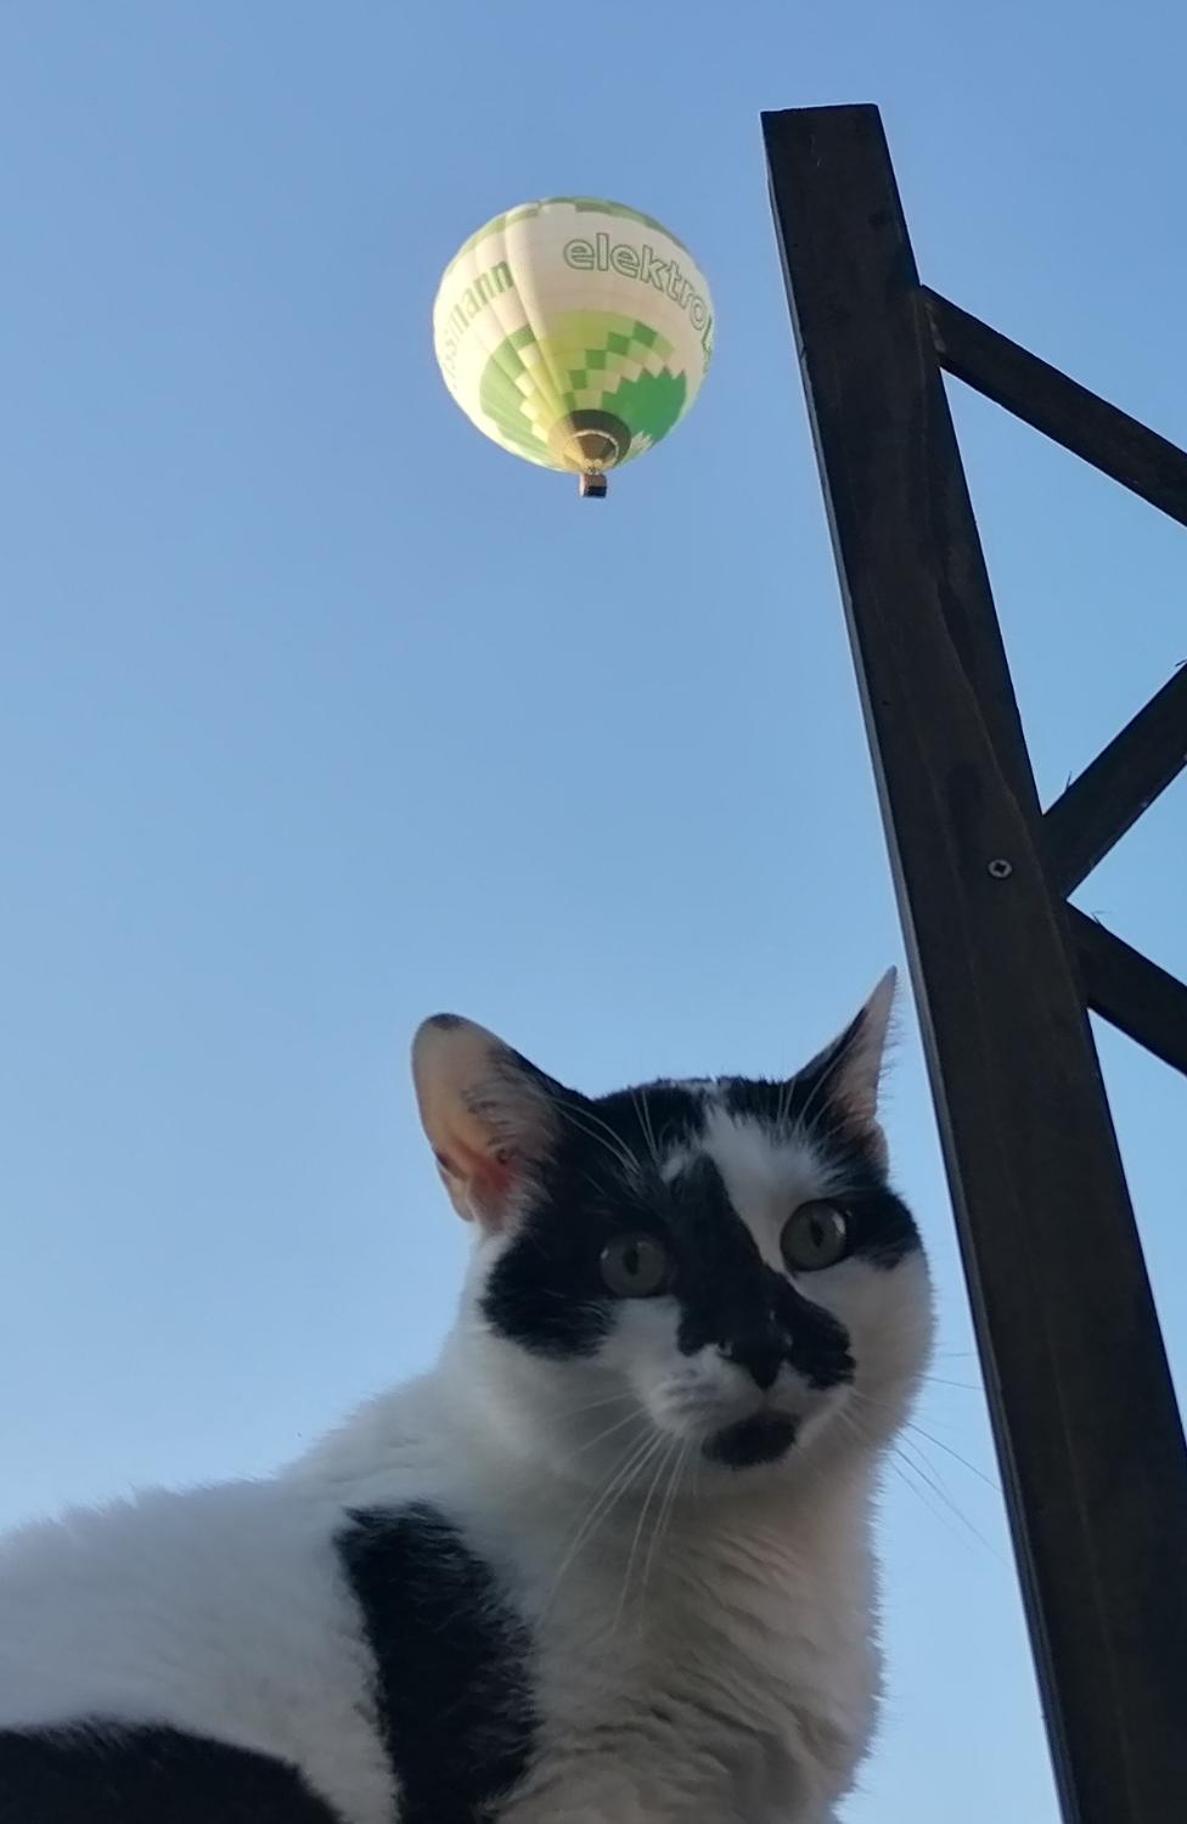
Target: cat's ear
{"x":849,"y":1070}
{"x":490,"y":1116}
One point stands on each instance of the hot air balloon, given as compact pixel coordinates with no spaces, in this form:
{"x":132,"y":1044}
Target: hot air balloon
{"x":574,"y":332}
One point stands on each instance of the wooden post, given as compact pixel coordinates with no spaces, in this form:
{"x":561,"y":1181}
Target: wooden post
{"x":1085,"y":1418}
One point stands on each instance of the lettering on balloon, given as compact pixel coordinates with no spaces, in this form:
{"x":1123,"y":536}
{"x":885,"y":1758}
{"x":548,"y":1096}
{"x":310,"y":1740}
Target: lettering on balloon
{"x":642,"y":263}
{"x":473,"y":299}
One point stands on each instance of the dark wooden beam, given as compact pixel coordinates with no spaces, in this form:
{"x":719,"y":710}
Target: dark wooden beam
{"x":1083,"y":1409}
{"x":1109,"y":439}
{"x":1110,"y":795}
{"x":1132,"y":993}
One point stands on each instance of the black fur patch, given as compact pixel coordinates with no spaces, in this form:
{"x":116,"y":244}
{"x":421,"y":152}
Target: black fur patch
{"x":761,"y":1439}
{"x":106,"y":1773}
{"x":882,"y":1228}
{"x":729,"y":1296}
{"x":546,"y":1291}
{"x":452,"y":1663}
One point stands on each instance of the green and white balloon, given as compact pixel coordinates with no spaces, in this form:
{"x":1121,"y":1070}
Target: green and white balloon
{"x":574,"y":332}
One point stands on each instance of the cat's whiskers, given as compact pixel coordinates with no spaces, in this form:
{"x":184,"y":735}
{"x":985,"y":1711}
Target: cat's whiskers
{"x":594,"y":1128}
{"x":604,"y":1399}
{"x":925,"y":1475}
{"x":912,"y":1425}
{"x":816,"y":1095}
{"x":900,"y":1467}
{"x":596,"y":1185}
{"x":639,"y":1098}
{"x":627,"y":1470}
{"x":670,"y":1446}
{"x":891,"y":1460}
{"x":632,"y":1477}
{"x":667,"y":1509}
{"x":785,"y":1100}
{"x":922,"y":1470}
{"x":636,"y":1413}
{"x":963,"y":1461}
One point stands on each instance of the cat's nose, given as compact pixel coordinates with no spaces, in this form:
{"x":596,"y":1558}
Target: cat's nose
{"x":761,"y":1353}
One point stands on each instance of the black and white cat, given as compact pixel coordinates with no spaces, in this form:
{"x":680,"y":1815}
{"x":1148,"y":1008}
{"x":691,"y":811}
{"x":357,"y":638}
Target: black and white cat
{"x":608,"y":1563}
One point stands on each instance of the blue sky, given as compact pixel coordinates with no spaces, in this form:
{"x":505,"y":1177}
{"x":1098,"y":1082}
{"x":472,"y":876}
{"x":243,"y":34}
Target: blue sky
{"x":321,"y":713}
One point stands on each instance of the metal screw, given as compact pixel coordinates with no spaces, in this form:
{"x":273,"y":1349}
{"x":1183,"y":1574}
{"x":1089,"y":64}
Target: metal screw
{"x":1000,"y":868}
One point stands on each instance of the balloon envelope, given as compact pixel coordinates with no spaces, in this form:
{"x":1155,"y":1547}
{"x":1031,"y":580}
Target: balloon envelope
{"x":574,"y":332}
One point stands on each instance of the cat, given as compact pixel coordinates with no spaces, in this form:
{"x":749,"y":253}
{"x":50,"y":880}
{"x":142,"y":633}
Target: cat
{"x":609,"y":1562}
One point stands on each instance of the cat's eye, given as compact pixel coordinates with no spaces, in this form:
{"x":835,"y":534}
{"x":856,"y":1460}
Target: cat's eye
{"x":816,"y":1236}
{"x":635,"y":1266}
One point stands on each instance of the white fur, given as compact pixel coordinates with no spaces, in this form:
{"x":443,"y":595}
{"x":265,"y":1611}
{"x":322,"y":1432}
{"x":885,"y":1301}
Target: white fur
{"x":706,"y":1654}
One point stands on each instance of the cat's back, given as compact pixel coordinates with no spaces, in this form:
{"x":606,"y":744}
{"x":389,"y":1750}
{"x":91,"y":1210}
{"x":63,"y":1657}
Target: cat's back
{"x":190,"y":1627}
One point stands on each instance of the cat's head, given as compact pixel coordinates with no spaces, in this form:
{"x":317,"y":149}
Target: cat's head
{"x":719,"y":1264}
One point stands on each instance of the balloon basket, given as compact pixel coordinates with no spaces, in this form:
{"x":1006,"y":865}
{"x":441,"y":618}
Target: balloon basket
{"x":592,"y":487}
